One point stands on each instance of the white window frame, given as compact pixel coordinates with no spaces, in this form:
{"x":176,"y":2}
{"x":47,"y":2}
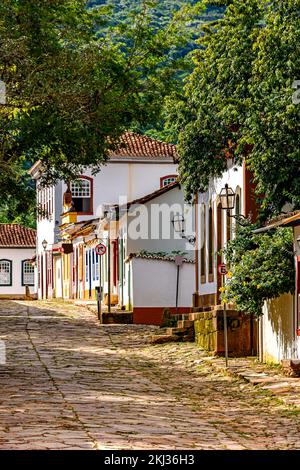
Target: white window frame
{"x":25,"y":275}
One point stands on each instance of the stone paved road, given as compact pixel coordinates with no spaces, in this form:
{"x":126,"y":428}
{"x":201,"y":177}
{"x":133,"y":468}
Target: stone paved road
{"x":70,"y":383}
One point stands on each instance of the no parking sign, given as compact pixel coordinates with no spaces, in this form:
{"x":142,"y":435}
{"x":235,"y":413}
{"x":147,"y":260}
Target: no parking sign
{"x":100,"y":249}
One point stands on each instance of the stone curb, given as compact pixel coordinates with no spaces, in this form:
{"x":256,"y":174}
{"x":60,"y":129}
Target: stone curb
{"x":284,"y":388}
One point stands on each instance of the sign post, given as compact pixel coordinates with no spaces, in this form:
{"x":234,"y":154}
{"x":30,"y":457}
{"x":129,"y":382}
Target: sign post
{"x":222,"y":268}
{"x":100,"y":251}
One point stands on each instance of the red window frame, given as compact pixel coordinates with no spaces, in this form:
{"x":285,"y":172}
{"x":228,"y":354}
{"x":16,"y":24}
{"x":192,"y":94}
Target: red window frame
{"x":163,"y":178}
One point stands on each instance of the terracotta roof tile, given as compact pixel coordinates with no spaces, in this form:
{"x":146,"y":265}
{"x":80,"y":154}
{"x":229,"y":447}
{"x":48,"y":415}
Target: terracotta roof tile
{"x":15,"y":236}
{"x":134,"y":145}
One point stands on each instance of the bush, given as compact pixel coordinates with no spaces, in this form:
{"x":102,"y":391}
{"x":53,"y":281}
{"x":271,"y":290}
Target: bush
{"x":261,"y":267}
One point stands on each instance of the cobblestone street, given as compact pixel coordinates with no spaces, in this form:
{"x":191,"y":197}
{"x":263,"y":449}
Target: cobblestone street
{"x":70,"y":383}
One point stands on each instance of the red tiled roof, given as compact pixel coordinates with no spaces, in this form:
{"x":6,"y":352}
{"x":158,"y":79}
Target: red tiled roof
{"x":134,"y":145}
{"x":15,"y":236}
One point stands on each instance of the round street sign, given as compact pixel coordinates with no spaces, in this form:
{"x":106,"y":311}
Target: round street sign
{"x":100,"y":249}
{"x":222,"y":269}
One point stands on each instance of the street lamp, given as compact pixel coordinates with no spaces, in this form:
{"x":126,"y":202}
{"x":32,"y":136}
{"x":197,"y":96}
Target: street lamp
{"x":44,"y":244}
{"x":179,"y":227}
{"x":228,"y":199}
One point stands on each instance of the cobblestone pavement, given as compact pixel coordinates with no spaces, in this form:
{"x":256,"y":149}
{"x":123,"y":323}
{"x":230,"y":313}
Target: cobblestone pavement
{"x":70,"y":383}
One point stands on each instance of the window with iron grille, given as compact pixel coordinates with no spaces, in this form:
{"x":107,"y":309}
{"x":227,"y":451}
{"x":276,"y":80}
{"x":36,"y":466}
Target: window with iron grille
{"x":5,"y":272}
{"x":27,"y":273}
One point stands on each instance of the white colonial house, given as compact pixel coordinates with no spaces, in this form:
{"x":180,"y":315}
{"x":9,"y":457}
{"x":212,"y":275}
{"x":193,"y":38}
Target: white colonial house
{"x":17,"y":273}
{"x":140,"y":165}
{"x":214,"y":228}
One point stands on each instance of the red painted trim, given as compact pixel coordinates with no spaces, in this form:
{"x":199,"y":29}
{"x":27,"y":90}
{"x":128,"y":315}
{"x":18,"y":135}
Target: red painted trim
{"x":154,"y":315}
{"x":91,"y":208}
{"x":249,"y":197}
{"x":166,"y":177}
{"x":197,"y":208}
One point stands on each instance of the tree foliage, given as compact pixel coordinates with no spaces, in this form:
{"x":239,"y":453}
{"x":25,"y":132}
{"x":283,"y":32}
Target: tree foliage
{"x":77,"y":75}
{"x":238,"y":104}
{"x":261,"y":266}
{"x":75,"y":82}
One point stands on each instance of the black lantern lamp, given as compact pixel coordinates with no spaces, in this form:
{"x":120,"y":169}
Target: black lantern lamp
{"x":179,"y":227}
{"x":44,"y":244}
{"x":227,"y":198}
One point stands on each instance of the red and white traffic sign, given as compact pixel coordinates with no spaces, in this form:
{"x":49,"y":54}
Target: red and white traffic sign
{"x":222,"y":269}
{"x":100,"y":249}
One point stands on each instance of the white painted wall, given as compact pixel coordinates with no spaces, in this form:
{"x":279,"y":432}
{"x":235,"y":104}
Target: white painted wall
{"x":277,"y":329}
{"x":154,"y":283}
{"x":16,"y":255}
{"x":149,"y":227}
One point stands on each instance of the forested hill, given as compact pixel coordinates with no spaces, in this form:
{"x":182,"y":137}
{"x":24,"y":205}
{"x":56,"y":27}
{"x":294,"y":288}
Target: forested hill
{"x":163,"y":10}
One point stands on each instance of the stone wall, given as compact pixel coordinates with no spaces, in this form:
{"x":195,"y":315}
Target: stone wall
{"x":209,"y":332}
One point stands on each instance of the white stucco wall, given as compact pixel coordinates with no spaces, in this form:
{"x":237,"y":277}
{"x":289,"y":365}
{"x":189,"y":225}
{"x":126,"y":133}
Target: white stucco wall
{"x":277,"y":329}
{"x":149,"y":227}
{"x":154,"y":283}
{"x":16,"y":255}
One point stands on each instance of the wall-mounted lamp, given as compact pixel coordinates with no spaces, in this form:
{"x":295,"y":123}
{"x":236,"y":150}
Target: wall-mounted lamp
{"x":179,"y":227}
{"x":44,"y":244}
{"x":227,"y":198}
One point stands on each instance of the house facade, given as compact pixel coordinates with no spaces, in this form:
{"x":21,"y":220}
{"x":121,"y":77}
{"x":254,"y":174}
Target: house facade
{"x":17,"y":272}
{"x":138,"y":269}
{"x":138,"y":166}
{"x":214,"y":228}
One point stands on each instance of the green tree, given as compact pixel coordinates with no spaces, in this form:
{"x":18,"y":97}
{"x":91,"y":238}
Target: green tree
{"x":238,"y":101}
{"x":72,"y":91}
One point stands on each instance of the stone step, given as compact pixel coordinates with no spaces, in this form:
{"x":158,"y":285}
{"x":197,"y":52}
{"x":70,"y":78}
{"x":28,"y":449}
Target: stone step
{"x":185,"y":323}
{"x":176,"y":331}
{"x":161,"y":339}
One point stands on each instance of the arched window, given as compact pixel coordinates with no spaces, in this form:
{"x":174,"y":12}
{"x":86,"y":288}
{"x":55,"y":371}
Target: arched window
{"x":82,"y":195}
{"x":5,"y":272}
{"x":203,"y":243}
{"x":165,"y":180}
{"x":27,"y":273}
{"x":210,"y":244}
